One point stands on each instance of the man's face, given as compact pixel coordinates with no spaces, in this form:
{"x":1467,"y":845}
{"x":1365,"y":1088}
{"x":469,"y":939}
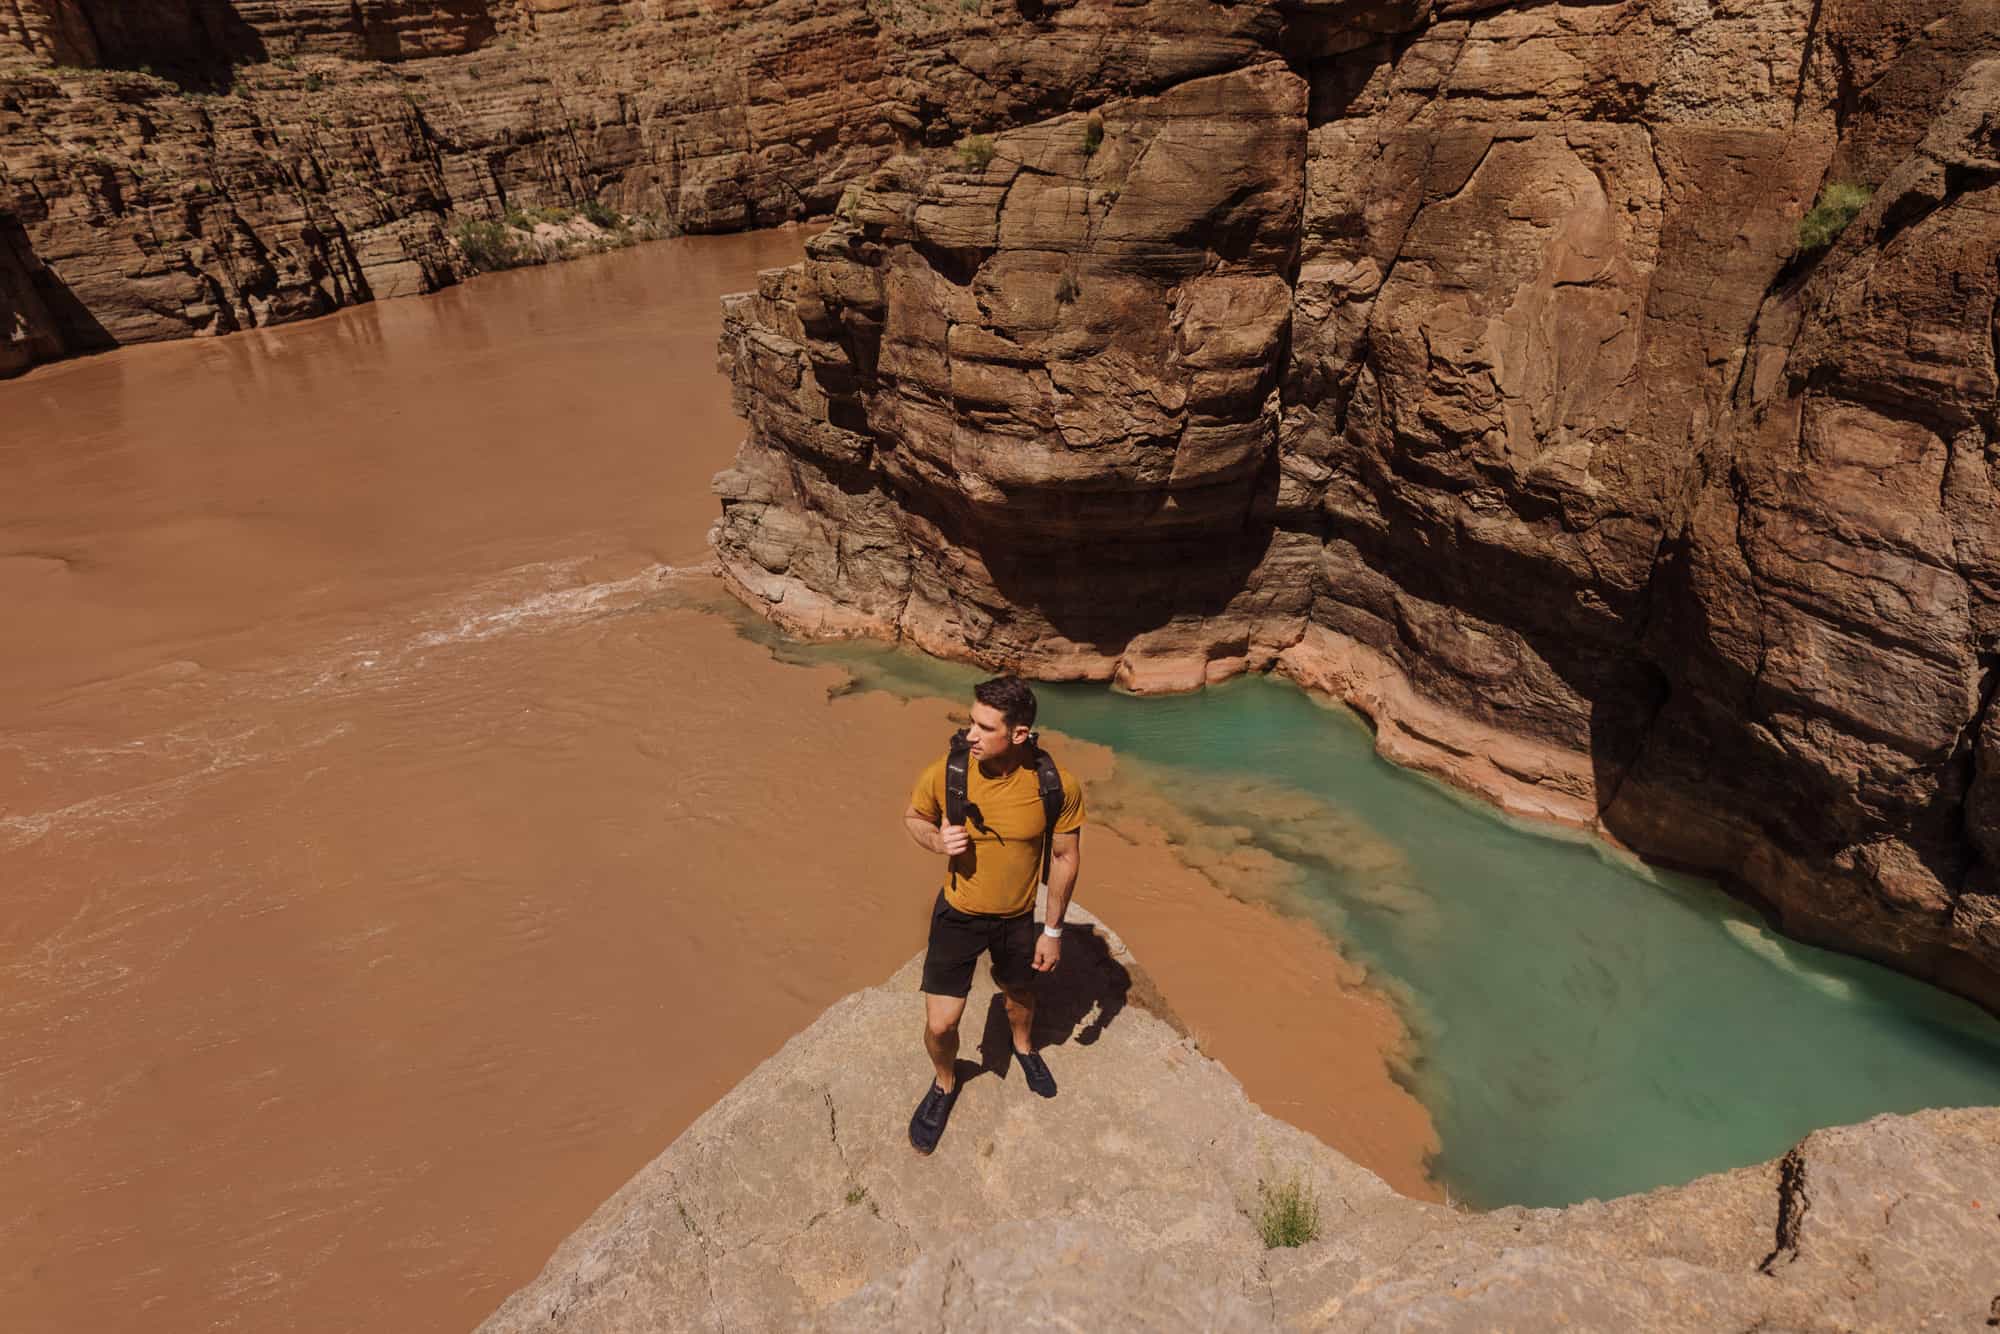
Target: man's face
{"x":990,"y":736}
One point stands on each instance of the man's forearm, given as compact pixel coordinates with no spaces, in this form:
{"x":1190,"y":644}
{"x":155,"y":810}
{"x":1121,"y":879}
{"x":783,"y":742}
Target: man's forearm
{"x":925,"y":835}
{"x":1062,"y":882}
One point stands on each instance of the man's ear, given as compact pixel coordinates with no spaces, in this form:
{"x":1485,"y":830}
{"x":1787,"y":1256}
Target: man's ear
{"x":1021,"y":733}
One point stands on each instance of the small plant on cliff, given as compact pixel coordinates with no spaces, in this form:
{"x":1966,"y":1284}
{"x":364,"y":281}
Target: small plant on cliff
{"x":1287,"y":1213}
{"x":487,"y":245}
{"x":1067,"y":290}
{"x":1093,"y":134}
{"x":1839,"y":204}
{"x":975,"y":151}
{"x":315,"y":82}
{"x":598,"y":214}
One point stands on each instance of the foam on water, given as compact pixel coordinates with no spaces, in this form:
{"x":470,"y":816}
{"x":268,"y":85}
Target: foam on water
{"x":144,"y":774}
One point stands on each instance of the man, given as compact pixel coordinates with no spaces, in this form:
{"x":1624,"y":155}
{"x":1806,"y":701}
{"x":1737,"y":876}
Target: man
{"x":987,"y":904}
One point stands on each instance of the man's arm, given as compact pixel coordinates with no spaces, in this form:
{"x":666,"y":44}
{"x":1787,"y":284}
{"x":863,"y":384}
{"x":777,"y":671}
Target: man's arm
{"x":1065,"y":859}
{"x":946,"y":840}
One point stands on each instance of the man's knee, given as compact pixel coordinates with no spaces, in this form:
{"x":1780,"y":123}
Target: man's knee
{"x":941,"y":1016}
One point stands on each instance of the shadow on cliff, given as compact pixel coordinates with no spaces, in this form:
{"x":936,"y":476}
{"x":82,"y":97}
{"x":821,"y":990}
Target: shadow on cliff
{"x":66,"y":325}
{"x":1075,"y":1003}
{"x":194,"y":43}
{"x":1104,"y":569}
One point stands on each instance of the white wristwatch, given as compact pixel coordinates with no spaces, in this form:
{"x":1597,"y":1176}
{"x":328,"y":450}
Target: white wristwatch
{"x":1052,"y":931}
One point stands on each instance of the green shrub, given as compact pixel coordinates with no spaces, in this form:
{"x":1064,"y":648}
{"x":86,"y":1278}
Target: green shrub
{"x":1093,"y":136}
{"x":488,"y":245}
{"x":975,"y":151}
{"x":315,"y":82}
{"x":599,"y":214}
{"x":1067,"y":290}
{"x":1838,"y":205}
{"x":1287,"y":1214}
{"x":286,"y":63}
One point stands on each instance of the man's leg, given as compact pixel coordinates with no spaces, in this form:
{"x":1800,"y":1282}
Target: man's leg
{"x":948,"y":961}
{"x":1014,"y":974}
{"x":941,"y":1016}
{"x":1021,"y":1015}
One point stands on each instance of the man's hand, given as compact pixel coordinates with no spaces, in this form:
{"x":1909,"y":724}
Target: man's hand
{"x":1048,"y":952}
{"x":953,"y":839}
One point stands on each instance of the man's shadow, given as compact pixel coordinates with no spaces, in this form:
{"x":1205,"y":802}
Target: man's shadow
{"x":1075,"y":1002}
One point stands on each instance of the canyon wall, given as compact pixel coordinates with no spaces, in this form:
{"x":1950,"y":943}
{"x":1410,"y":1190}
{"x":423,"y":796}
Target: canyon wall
{"x":1457,"y":357}
{"x":1462,"y":360}
{"x":199,"y":166}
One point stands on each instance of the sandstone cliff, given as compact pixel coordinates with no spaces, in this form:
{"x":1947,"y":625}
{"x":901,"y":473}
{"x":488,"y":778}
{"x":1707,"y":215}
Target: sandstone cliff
{"x":1128,"y":1203}
{"x":198,"y":166}
{"x":1464,"y":360}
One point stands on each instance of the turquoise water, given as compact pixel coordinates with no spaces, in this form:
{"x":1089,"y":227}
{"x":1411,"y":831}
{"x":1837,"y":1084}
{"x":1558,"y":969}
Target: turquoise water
{"x":1584,"y":1027}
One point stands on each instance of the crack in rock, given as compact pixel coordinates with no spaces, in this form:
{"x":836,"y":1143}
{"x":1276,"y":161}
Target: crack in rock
{"x":1793,"y":1204}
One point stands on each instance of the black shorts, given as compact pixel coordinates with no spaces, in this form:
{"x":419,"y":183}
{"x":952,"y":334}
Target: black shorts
{"x":959,"y":938}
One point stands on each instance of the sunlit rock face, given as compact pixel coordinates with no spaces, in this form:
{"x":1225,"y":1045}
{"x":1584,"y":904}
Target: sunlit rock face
{"x":200,"y":166}
{"x":1467,"y":365}
{"x":1043,"y":386}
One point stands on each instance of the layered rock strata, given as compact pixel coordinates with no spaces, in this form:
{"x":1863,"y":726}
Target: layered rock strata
{"x":206,"y":165}
{"x":1463,"y":361}
{"x":1132,"y":1201}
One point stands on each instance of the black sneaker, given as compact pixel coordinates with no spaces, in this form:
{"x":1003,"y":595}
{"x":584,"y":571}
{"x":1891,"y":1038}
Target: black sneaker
{"x":1037,"y":1072}
{"x":927,"y":1125}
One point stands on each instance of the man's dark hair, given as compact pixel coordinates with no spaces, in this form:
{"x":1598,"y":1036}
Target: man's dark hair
{"x":1010,"y":695}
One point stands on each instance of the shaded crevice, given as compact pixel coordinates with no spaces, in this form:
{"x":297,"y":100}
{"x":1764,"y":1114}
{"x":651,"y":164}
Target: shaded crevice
{"x":1964,"y":763}
{"x":1806,"y":53}
{"x":1793,"y":1205}
{"x":1739,"y":493}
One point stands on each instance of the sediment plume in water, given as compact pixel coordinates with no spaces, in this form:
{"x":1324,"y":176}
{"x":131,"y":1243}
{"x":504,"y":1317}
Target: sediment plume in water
{"x":397,"y":848}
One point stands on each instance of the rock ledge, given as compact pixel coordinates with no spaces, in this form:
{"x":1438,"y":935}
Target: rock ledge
{"x":1128,"y":1203}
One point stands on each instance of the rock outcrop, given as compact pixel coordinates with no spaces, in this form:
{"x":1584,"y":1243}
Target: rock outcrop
{"x":201,"y":166}
{"x":1131,"y":1202}
{"x":1462,"y":360}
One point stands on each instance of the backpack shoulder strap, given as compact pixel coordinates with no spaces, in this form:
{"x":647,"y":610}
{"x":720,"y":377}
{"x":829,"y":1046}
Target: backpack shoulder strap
{"x":1049,"y":780}
{"x":955,"y":762}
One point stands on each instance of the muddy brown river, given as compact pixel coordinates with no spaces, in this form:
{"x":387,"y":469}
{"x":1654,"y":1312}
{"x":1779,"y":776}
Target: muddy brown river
{"x":398,"y":848}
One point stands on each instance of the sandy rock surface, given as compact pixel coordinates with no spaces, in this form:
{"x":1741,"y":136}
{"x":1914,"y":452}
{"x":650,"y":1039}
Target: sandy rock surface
{"x":1127,"y":1203}
{"x":1462,"y":361}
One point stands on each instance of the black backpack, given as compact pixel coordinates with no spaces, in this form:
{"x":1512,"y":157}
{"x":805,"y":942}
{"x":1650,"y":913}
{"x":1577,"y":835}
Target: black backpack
{"x":959,"y":758}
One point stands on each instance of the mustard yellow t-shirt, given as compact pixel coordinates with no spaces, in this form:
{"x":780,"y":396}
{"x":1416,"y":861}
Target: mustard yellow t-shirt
{"x":998,"y":874}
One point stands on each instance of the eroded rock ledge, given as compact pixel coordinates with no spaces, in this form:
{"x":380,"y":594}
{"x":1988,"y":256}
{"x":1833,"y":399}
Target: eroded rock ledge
{"x":1460,"y":360}
{"x":1128,"y":1203}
